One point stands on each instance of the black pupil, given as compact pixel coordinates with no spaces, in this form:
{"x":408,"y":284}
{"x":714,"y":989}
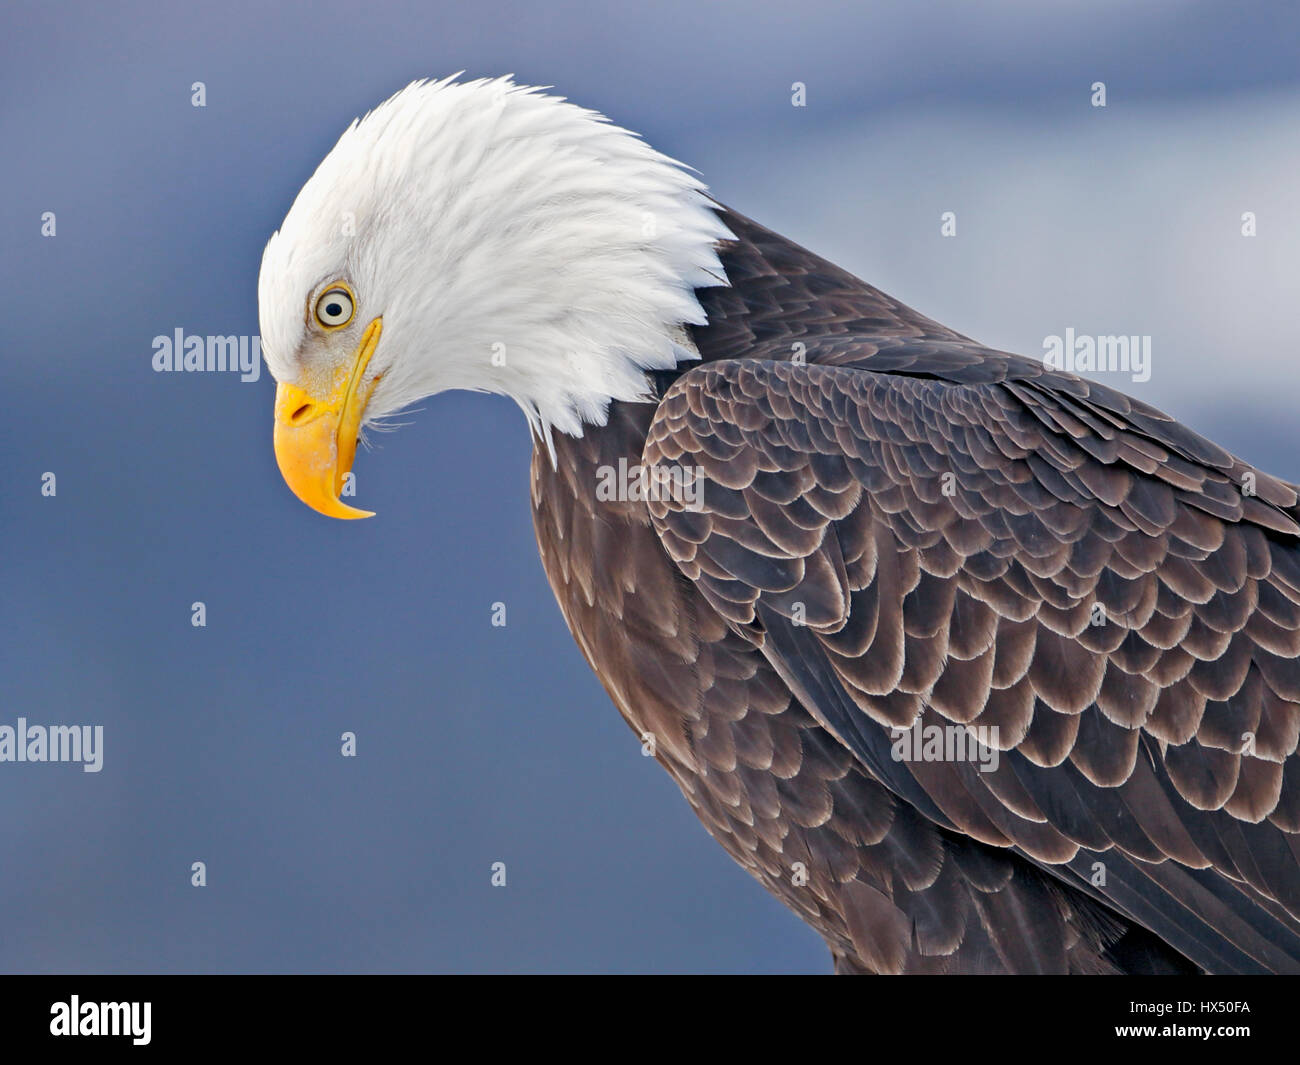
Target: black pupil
{"x":333,"y":309}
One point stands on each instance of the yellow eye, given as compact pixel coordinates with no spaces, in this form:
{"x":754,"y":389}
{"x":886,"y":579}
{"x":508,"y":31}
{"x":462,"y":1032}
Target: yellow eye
{"x":335,"y":308}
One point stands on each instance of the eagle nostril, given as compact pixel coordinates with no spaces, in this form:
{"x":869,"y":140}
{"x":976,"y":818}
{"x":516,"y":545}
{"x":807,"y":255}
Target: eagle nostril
{"x":300,"y":413}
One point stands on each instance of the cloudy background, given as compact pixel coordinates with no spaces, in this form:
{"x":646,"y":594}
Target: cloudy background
{"x":479,"y":744}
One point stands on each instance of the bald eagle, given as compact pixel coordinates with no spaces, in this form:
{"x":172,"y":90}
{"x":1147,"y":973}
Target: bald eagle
{"x":978,"y":666}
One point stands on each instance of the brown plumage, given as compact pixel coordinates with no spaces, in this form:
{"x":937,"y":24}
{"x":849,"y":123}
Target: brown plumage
{"x":899,"y":526}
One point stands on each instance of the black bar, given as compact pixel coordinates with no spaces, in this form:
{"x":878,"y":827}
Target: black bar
{"x":435,"y":1014}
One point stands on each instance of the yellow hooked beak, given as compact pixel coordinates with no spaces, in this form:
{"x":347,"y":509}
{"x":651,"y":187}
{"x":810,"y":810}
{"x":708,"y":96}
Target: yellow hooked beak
{"x":316,"y":439}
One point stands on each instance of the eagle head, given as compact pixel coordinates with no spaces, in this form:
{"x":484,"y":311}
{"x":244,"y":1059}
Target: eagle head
{"x":480,"y":235}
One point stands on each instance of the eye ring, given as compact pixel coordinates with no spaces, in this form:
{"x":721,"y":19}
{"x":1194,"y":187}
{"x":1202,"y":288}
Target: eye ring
{"x":336,"y":306}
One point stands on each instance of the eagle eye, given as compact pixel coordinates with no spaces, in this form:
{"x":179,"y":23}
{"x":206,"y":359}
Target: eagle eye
{"x":335,"y":308}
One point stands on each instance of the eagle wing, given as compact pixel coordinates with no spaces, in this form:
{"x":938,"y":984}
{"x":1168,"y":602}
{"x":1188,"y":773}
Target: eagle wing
{"x":924,"y":531}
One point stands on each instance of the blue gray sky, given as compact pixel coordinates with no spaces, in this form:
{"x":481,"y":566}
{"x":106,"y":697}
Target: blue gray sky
{"x":478,"y":744}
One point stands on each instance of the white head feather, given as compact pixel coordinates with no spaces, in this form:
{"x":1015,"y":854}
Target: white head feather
{"x":486,"y":219}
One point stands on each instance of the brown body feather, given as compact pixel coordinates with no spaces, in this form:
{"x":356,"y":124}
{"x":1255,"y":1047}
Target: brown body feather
{"x":900,"y":525}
